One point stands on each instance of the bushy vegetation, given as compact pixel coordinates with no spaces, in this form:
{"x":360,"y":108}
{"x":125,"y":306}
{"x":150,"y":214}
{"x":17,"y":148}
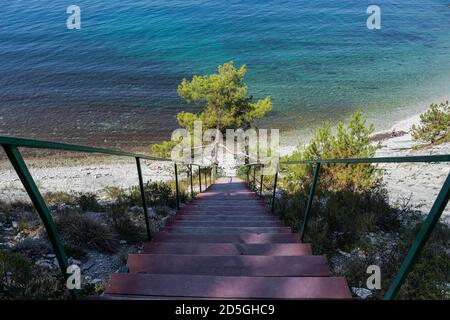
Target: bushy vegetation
{"x":21,"y":279}
{"x":120,"y":218}
{"x":225,"y":103}
{"x":434,"y":127}
{"x":60,"y":197}
{"x":158,"y":194}
{"x":86,"y":227}
{"x":76,"y":229}
{"x":351,"y":219}
{"x":349,"y":141}
{"x":88,"y":202}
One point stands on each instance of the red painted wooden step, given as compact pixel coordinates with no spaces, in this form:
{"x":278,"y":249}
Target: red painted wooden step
{"x":226,"y":244}
{"x":224,"y":230}
{"x":228,"y":224}
{"x":268,"y":249}
{"x":221,"y":217}
{"x":228,"y":238}
{"x":255,"y":266}
{"x":179,"y":286}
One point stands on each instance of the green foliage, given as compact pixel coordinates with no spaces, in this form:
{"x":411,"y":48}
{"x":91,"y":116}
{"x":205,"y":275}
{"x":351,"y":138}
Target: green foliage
{"x":351,"y":213}
{"x":434,"y":125}
{"x":88,"y":202}
{"x":164,"y":149}
{"x":120,"y":219}
{"x":20,"y":279}
{"x":75,"y":252}
{"x":114,"y":192}
{"x":157,"y":193}
{"x":428,"y":278}
{"x":349,"y":141}
{"x":79,"y":230}
{"x":225,"y":100}
{"x":225,"y":103}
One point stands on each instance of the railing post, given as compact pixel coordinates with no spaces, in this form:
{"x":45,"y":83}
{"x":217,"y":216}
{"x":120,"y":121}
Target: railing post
{"x":210,"y":175}
{"x":254,"y":176}
{"x":192,"y":187}
{"x":176,"y":186}
{"x":25,"y":177}
{"x":144,"y":200}
{"x":274,"y":190}
{"x":200,"y":177}
{"x":206,"y":181}
{"x":262,"y":176}
{"x":248,"y":174}
{"x":310,"y":199}
{"x":424,"y":233}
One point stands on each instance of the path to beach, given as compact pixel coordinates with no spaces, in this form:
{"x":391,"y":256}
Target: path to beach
{"x":420,"y":182}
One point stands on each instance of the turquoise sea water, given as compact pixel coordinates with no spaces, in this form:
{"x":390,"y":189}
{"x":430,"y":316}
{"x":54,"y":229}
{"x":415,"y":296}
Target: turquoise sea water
{"x":316,"y":58}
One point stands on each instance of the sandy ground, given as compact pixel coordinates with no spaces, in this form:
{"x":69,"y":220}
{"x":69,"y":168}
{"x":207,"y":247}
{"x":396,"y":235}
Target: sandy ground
{"x":418,"y":182}
{"x":83,"y":178}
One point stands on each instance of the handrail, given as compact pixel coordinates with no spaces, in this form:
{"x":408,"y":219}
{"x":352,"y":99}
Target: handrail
{"x":426,"y":227}
{"x":408,"y":159}
{"x":41,"y":144}
{"x":11,"y":145}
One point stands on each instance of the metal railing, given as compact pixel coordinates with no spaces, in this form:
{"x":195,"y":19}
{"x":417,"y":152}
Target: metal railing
{"x":425,"y":229}
{"x":11,"y":148}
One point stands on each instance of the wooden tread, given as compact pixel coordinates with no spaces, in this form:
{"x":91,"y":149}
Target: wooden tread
{"x":256,"y":266}
{"x":217,"y":287}
{"x":268,"y":249}
{"x":226,"y":244}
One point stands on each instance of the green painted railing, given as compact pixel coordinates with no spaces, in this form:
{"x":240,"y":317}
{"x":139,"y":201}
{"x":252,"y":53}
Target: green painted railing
{"x":11,"y":147}
{"x":426,"y":228}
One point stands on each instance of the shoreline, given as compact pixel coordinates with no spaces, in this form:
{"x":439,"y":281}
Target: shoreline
{"x":422,"y":181}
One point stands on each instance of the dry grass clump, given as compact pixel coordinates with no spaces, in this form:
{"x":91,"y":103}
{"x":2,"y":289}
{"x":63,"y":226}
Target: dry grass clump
{"x":79,"y":230}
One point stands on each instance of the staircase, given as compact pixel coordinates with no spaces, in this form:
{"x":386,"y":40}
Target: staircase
{"x":225,"y":244}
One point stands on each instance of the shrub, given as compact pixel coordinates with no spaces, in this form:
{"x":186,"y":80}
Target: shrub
{"x":434,"y":127}
{"x":21,"y":279}
{"x":351,"y":213}
{"x":78,"y":230}
{"x":55,"y":198}
{"x":88,"y":202}
{"x":351,"y":141}
{"x":122,"y":222}
{"x":428,"y":278}
{"x":115,"y":193}
{"x":75,"y":252}
{"x":162,"y":211}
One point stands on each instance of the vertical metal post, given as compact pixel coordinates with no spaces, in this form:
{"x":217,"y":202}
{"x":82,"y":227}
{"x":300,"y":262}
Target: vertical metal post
{"x":274,"y":190}
{"x":25,"y":177}
{"x":206,"y":181}
{"x":210,"y":175}
{"x":248,"y":174}
{"x":200,"y":177}
{"x":176,"y":186}
{"x":144,"y":200}
{"x":192,"y":187}
{"x":262,"y":176}
{"x":310,"y":199}
{"x":254,"y":176}
{"x":424,"y":233}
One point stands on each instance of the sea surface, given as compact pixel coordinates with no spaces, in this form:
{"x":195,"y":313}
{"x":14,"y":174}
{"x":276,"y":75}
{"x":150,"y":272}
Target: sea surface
{"x":316,"y":59}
